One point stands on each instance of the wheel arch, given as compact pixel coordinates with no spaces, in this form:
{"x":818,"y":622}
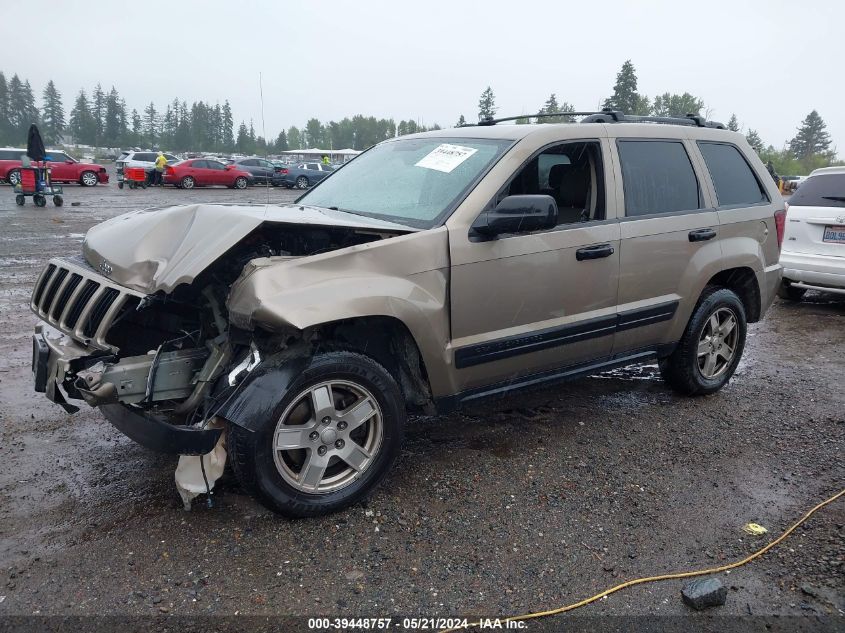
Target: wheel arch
{"x":742,"y":281}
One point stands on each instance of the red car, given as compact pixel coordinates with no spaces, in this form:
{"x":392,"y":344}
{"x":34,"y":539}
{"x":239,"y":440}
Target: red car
{"x":63,"y":168}
{"x":203,"y":172}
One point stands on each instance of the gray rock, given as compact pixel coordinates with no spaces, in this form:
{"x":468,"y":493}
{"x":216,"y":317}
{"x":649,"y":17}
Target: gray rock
{"x":707,"y":592}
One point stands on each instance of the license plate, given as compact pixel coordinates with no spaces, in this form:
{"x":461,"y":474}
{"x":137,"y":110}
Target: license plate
{"x":834,"y":234}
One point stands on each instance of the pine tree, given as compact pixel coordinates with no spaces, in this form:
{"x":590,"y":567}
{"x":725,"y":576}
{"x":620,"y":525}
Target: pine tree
{"x":81,"y":123}
{"x":754,"y":140}
{"x":98,"y":111}
{"x":53,"y":119}
{"x":137,"y":128}
{"x":812,"y":139}
{"x":5,"y":124}
{"x":282,"y":142}
{"x":227,"y":135}
{"x":625,"y":96}
{"x":294,"y":138}
{"x":22,"y":109}
{"x":461,"y":121}
{"x":151,"y":125}
{"x":487,"y":105}
{"x":242,"y":142}
{"x":733,"y":124}
{"x":552,"y":107}
{"x":113,"y":133}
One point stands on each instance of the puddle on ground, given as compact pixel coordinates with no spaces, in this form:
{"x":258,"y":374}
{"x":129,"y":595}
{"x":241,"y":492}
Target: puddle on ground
{"x":632,"y":372}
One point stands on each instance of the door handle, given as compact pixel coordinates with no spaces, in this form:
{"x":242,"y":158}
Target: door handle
{"x":701,"y":235}
{"x":594,"y":252}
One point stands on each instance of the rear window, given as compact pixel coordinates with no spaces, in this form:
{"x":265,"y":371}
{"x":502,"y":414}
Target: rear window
{"x":144,"y":157}
{"x":658,"y":177}
{"x":821,"y":190}
{"x":735,"y":183}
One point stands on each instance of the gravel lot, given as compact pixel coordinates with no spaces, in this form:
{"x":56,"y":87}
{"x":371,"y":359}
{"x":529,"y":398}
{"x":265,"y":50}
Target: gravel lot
{"x":517,"y":505}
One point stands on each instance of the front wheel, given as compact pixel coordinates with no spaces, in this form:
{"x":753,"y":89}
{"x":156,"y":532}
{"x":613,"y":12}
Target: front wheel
{"x":332,"y":437}
{"x":20,"y":199}
{"x":188,"y":182}
{"x":58,"y":200}
{"x":791,"y":293}
{"x":240,"y":182}
{"x":39,"y":200}
{"x":302,"y":182}
{"x":88,"y":178}
{"x":711,"y":347}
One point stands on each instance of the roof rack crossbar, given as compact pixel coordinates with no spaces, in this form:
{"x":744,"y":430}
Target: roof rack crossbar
{"x":610,"y":116}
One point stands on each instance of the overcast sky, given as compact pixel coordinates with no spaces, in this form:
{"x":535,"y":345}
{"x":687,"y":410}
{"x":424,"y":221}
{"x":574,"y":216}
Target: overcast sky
{"x":770,"y":62}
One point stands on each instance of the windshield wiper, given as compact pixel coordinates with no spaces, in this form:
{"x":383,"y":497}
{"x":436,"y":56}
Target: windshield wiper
{"x":837,"y":198}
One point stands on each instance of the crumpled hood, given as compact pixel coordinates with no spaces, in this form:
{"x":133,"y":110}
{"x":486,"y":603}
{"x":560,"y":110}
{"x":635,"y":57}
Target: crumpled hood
{"x":161,"y":248}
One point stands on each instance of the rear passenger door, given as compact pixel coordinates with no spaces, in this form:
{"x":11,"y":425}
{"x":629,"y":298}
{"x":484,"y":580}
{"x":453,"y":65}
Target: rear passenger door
{"x":669,"y":240}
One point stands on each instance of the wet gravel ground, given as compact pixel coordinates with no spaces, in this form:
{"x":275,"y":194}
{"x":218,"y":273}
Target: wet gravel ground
{"x":516,"y":505}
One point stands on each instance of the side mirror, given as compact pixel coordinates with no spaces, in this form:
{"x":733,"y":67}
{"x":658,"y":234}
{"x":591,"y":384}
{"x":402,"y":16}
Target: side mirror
{"x":517,"y":214}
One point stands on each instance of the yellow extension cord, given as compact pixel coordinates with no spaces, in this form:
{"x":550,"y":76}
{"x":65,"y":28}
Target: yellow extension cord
{"x":683,"y":574}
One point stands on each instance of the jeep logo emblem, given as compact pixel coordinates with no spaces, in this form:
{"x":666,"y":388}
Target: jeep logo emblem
{"x":105,"y":268}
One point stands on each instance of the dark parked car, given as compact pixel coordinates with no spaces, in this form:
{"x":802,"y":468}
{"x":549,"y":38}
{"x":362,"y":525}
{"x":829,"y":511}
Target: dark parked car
{"x":305,"y":175}
{"x":262,"y":170}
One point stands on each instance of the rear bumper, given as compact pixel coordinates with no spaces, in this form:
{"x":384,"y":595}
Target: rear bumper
{"x":53,"y":359}
{"x":814,"y":270}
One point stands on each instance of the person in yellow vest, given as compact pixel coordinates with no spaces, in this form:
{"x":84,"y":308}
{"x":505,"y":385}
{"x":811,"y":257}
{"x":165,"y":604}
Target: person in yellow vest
{"x":325,"y":159}
{"x":158,"y":173}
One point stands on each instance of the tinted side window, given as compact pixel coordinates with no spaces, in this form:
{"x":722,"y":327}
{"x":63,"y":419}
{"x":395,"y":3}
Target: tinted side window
{"x":658,"y":177}
{"x":11,"y":154}
{"x":733,"y":179}
{"x":821,"y":190}
{"x":213,"y":164}
{"x":199,"y":164}
{"x":141,"y":156}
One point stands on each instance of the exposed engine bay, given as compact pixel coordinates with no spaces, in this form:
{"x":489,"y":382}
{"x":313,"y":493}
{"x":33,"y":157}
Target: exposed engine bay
{"x":172,"y":356}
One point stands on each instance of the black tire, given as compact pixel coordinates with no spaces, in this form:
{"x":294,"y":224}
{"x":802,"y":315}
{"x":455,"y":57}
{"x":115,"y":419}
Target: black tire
{"x":13,"y":177}
{"x":681,"y":369}
{"x":240,"y":183}
{"x":88,"y":179}
{"x":252,"y":456}
{"x":789,"y":292}
{"x":302,"y":182}
{"x":39,"y":200}
{"x":20,"y":199}
{"x":187,"y":182}
{"x":120,"y":185}
{"x":58,"y":200}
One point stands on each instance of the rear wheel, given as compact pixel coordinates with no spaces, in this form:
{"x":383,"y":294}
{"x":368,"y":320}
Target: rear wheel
{"x":188,"y":182}
{"x":120,"y":185}
{"x":332,"y":437}
{"x":14,"y":177}
{"x":789,"y":292}
{"x":711,"y":347}
{"x":20,"y":200}
{"x":58,"y":200}
{"x":240,"y":182}
{"x":39,"y":200}
{"x":88,"y":178}
{"x":302,"y":182}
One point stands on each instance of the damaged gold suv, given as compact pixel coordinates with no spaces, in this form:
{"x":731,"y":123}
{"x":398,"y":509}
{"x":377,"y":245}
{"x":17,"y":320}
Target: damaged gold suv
{"x":433,"y":270}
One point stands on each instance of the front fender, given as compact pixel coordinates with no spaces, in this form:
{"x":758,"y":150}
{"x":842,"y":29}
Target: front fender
{"x":405,"y":278}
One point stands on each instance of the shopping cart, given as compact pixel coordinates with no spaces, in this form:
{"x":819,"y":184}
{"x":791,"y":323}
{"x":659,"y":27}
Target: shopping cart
{"x":35,"y":182}
{"x":133,"y":177}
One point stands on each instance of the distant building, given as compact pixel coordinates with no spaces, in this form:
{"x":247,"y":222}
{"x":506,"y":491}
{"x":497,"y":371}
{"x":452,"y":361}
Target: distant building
{"x":335,"y":155}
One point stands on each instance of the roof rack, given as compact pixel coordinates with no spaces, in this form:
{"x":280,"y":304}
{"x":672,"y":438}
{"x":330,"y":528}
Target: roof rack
{"x":613,"y":116}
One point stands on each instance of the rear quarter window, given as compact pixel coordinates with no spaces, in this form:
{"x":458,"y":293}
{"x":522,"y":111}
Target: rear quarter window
{"x":733,"y":178}
{"x":657,"y":177}
{"x":821,"y":190}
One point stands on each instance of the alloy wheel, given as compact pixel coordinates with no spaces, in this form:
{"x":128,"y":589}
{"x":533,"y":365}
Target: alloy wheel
{"x":89,"y":178}
{"x":717,"y":343}
{"x":328,"y":436}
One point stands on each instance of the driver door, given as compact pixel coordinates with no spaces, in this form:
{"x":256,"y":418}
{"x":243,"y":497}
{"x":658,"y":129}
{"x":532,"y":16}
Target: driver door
{"x":525,"y":304}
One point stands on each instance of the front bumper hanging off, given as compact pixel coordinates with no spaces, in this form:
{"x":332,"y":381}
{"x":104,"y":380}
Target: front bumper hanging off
{"x":51,"y":369}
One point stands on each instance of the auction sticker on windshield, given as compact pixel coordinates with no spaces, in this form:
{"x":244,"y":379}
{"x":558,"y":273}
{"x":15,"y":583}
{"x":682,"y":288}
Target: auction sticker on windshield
{"x":446,"y":157}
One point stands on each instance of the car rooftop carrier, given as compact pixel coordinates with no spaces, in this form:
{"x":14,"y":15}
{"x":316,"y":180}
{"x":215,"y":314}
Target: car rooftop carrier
{"x":613,"y":116}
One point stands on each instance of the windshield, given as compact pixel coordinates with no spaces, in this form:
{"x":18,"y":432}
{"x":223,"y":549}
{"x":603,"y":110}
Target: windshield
{"x":409,"y":181}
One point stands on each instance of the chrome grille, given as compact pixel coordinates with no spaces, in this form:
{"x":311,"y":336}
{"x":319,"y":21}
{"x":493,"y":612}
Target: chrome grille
{"x":73,"y":298}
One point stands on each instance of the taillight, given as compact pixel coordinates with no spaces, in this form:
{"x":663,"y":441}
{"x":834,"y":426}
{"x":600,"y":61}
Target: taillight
{"x":780,"y":225}
{"x":284,"y":170}
{"x":170,"y":171}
